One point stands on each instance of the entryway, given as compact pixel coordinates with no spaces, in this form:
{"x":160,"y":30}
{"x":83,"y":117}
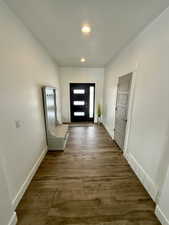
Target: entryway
{"x":89,"y":183}
{"x":82,"y":102}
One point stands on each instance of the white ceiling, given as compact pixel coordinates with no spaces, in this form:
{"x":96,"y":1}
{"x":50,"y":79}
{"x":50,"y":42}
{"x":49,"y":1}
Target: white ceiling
{"x":57,"y":24}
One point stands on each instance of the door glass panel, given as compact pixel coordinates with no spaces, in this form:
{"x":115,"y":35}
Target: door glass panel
{"x":79,"y":113}
{"x":78,"y":91}
{"x":91,"y":102}
{"x":79,"y":103}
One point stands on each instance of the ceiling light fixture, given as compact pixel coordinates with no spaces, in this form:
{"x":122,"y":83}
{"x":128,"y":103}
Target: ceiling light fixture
{"x":86,"y":29}
{"x":83,"y":60}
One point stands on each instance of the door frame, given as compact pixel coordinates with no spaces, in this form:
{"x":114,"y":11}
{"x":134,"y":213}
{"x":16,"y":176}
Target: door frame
{"x":130,"y":108}
{"x":70,"y":111}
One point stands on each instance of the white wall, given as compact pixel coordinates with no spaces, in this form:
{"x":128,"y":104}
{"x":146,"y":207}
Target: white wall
{"x":24,"y":69}
{"x":79,"y":75}
{"x":148,"y":57}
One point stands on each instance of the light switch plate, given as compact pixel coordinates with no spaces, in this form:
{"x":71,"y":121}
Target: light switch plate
{"x":18,"y":123}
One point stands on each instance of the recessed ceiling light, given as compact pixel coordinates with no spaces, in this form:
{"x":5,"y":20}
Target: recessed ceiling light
{"x":86,"y":29}
{"x":83,"y":60}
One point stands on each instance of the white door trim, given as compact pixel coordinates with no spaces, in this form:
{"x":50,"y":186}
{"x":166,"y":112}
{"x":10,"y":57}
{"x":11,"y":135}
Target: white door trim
{"x":130,"y":110}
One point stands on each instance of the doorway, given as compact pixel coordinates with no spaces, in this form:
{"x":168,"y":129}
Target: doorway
{"x":121,"y":111}
{"x":82,"y":102}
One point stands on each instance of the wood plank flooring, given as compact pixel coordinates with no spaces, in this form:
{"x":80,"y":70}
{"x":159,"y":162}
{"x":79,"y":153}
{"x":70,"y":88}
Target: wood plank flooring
{"x":90,"y":183}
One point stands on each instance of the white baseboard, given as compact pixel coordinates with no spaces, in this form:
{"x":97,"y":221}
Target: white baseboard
{"x":13,"y":219}
{"x":142,"y":175}
{"x":26,"y":183}
{"x":108,"y":130}
{"x":160,"y":215}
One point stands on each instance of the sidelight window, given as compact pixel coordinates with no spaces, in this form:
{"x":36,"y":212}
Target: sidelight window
{"x":91,"y":102}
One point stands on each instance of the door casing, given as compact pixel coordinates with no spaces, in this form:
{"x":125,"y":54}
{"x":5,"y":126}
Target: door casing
{"x":124,"y":115}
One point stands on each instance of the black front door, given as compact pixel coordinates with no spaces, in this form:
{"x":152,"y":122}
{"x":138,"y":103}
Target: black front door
{"x":82,"y":102}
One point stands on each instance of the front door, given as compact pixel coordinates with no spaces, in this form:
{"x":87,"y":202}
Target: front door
{"x":123,"y":91}
{"x":82,"y":102}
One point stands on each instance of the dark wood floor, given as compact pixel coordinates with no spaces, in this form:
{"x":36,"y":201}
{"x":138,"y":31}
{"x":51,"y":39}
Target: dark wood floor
{"x":90,"y":183}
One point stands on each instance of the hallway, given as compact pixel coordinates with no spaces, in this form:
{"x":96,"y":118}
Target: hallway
{"x":89,"y":183}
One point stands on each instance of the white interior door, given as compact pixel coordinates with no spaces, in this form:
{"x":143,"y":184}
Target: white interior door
{"x":123,"y":90}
